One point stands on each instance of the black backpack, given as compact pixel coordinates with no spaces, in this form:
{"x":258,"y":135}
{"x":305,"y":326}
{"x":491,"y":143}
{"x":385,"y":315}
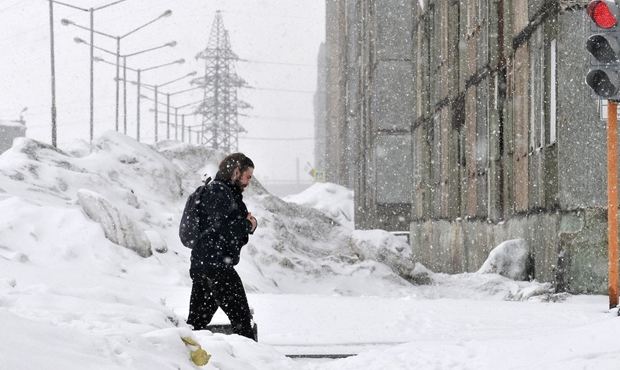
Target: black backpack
{"x":190,"y":227}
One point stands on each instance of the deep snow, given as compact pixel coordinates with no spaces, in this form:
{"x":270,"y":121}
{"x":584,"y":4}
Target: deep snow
{"x":70,"y":298}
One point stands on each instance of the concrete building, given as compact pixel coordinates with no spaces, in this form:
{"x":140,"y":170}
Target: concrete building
{"x":337,"y":156}
{"x":9,"y":130}
{"x":369,"y":105}
{"x":320,"y":116}
{"x":473,"y":127}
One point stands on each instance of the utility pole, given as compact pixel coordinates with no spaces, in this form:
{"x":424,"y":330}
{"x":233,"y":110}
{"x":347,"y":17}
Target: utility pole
{"x":92,"y":74}
{"x":220,"y":106}
{"x":604,"y":78}
{"x":53,"y":75}
{"x":612,"y":196}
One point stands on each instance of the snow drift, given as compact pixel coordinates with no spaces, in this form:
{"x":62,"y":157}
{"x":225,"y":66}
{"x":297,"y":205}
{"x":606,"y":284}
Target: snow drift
{"x":510,"y":259}
{"x":129,"y":188}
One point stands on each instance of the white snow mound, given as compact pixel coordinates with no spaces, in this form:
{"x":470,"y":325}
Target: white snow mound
{"x":509,"y":259}
{"x":335,"y":201}
{"x":117,"y":226}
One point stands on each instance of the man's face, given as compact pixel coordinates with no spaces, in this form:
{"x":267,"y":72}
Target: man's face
{"x":243,"y":180}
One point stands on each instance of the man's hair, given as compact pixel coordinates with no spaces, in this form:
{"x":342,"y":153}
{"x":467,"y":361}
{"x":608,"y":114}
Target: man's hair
{"x":232,"y":161}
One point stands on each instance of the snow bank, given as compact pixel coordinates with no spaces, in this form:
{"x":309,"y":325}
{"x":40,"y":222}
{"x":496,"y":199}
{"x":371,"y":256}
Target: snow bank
{"x":384,"y":247}
{"x":333,"y":200}
{"x":135,"y":195}
{"x":301,"y":248}
{"x":510,"y":259}
{"x":118,"y":227}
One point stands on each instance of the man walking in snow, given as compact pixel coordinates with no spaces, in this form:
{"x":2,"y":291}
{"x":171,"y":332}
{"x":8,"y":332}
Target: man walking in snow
{"x":226,"y":226}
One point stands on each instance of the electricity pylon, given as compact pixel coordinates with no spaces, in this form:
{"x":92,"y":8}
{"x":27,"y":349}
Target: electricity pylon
{"x":220,"y":106}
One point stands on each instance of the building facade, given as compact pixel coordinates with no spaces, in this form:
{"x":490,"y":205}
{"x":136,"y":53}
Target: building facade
{"x":472,"y":125}
{"x":320,"y":114}
{"x":369,"y":101}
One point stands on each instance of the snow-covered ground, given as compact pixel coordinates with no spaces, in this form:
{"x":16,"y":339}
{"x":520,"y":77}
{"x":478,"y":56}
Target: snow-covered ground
{"x":92,"y":276}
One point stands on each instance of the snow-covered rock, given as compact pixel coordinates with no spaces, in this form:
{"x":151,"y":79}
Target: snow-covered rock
{"x":158,"y":243}
{"x":117,"y":226}
{"x":384,"y":247}
{"x":510,"y":259}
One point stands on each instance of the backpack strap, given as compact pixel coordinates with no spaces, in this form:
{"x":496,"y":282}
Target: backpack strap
{"x":227,"y":189}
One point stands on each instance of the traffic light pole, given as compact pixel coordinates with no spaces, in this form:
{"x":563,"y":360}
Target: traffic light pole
{"x":604,"y":78}
{"x":612,"y":199}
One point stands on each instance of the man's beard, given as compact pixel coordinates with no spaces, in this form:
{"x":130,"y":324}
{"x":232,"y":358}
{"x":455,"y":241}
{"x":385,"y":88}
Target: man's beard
{"x":238,"y":184}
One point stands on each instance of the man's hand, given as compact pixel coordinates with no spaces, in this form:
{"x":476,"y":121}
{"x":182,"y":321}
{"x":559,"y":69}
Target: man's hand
{"x":252,"y":220}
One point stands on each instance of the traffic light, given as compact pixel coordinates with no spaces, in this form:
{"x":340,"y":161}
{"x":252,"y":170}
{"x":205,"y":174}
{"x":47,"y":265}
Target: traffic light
{"x":604,"y":46}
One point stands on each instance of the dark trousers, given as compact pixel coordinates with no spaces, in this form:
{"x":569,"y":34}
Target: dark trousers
{"x":219,"y":287}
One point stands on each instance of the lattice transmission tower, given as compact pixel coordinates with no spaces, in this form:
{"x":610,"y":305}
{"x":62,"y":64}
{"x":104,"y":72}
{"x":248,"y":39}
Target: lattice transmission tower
{"x":220,"y":106}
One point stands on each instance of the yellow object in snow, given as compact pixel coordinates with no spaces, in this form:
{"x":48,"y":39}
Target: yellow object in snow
{"x":198,"y":355}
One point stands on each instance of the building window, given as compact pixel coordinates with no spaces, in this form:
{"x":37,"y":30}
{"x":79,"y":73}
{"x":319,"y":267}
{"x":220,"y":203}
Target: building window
{"x":536,"y":97}
{"x":541,"y":93}
{"x":393,"y":169}
{"x":553,"y":94}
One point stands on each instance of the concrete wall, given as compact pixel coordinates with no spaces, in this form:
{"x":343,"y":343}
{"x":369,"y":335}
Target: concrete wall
{"x":336,"y":163}
{"x":320,"y":115}
{"x":569,"y":249}
{"x":582,"y":153}
{"x":372,"y":83}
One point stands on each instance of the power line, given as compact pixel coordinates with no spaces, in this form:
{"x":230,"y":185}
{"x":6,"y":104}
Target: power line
{"x":276,"y":138}
{"x":277,"y":63}
{"x":279,"y":90}
{"x":267,"y":15}
{"x":21,"y":34}
{"x":6,"y":8}
{"x":286,"y":119}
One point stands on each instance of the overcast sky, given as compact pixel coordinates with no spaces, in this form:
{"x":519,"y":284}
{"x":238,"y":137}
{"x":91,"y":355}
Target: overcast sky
{"x":280,"y":37}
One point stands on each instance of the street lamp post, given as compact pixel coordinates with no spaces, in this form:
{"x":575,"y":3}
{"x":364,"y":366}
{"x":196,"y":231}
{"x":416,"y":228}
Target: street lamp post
{"x":53,"y":75}
{"x":176,"y":123}
{"x":180,"y":61}
{"x":183,"y":128}
{"x":176,"y":114}
{"x":168,"y":95}
{"x":138,"y":107}
{"x":156,"y":111}
{"x":92,"y":74}
{"x":125,"y":68}
{"x":117,"y":54}
{"x":168,"y":106}
{"x":124,"y":95}
{"x":183,"y":120}
{"x":139,"y":85}
{"x":91,"y":12}
{"x":168,"y":116}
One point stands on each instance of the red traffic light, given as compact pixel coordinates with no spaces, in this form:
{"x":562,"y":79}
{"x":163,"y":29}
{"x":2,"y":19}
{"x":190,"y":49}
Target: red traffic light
{"x":600,"y":13}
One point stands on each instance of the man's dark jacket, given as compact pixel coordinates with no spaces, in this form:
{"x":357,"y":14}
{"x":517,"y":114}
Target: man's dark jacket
{"x":224,"y":224}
